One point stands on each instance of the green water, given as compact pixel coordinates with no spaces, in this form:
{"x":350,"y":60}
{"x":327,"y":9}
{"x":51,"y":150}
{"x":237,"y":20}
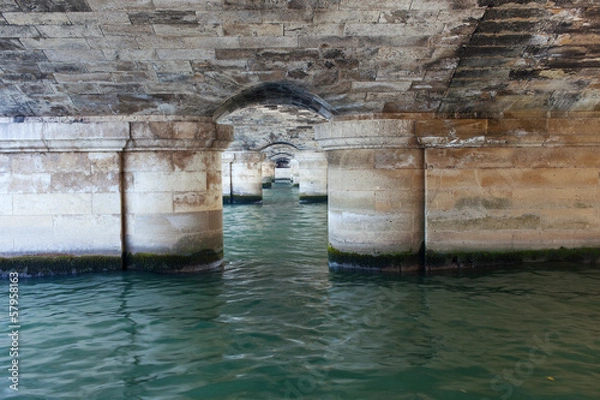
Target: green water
{"x":277,"y":324}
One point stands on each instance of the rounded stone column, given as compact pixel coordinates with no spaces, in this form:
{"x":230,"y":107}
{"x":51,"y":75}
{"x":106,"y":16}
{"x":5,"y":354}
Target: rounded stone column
{"x":172,"y":196}
{"x":375,"y":193}
{"x":246,"y":177}
{"x":268,"y":173}
{"x":312,"y":176}
{"x":226,"y":161}
{"x":295,"y":172}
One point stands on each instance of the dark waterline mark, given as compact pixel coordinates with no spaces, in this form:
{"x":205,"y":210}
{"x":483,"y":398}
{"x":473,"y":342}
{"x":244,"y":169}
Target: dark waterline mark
{"x":13,"y":328}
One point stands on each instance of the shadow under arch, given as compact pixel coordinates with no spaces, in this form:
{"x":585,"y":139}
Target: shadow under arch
{"x":275,"y":94}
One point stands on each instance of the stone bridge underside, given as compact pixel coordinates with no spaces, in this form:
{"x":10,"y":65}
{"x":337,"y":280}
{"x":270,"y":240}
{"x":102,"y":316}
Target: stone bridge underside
{"x":457,"y":132}
{"x":187,"y":57}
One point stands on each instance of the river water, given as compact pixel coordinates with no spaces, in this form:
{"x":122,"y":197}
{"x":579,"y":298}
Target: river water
{"x":278,"y":324}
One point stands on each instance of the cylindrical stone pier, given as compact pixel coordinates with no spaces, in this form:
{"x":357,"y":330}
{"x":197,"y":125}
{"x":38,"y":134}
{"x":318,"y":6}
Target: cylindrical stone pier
{"x":313,"y":176}
{"x":246,"y":177}
{"x":295,"y":172}
{"x":268,"y":173}
{"x":173,"y":197}
{"x":376,"y":194}
{"x":226,"y":161}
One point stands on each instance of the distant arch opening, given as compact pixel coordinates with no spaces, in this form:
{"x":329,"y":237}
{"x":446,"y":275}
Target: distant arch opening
{"x":275,"y":94}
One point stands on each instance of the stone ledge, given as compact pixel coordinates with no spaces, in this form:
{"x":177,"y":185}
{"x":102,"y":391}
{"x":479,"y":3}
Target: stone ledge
{"x":428,"y":130}
{"x":36,"y":134}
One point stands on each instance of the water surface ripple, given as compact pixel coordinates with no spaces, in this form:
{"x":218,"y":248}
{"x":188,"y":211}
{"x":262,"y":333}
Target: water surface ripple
{"x":277,"y":324}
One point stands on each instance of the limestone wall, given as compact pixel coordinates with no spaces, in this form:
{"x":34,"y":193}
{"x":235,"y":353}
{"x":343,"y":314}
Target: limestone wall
{"x":486,"y":191}
{"x":56,"y":203}
{"x":87,"y":192}
{"x":512,"y":199}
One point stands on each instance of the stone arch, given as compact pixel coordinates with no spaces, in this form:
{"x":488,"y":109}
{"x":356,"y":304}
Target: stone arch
{"x":278,"y":144}
{"x":275,"y":94}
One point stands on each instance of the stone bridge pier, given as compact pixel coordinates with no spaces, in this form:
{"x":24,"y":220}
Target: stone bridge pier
{"x":94,"y":195}
{"x":243,"y":181}
{"x":376,"y":193}
{"x":406,"y":192}
{"x":418,"y":191}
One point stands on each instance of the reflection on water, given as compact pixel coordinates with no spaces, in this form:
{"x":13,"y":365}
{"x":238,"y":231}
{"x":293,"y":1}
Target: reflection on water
{"x":276,"y":324}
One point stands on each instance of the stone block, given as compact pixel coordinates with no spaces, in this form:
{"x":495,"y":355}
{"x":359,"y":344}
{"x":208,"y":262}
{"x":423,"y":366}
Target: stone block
{"x":55,"y":43}
{"x":34,"y":244}
{"x":490,"y":221}
{"x":172,"y":224}
{"x":172,"y":130}
{"x":449,"y":178}
{"x":68,"y":182}
{"x":303,"y":29}
{"x":417,"y":29}
{"x":459,"y":128}
{"x":87,"y":226}
{"x":5,"y":161}
{"x":185,"y":54}
{"x":72,"y":244}
{"x":6,"y":204}
{"x":12,"y":31}
{"x":105,"y":18}
{"x":537,"y":177}
{"x":128,"y":54}
{"x":252,"y":30}
{"x":25,"y":183}
{"x":100,"y":130}
{"x":582,"y":219}
{"x":30,"y":163}
{"x":376,"y":4}
{"x":60,"y":55}
{"x":106,"y":203}
{"x":364,"y":16}
{"x":444,"y":242}
{"x":399,"y":159}
{"x":149,"y":202}
{"x":189,"y":201}
{"x":555,"y":198}
{"x":104,"y":162}
{"x":354,"y":200}
{"x":268,"y":42}
{"x":119,"y":5}
{"x":52,"y":204}
{"x":148,"y":161}
{"x":69,"y":31}
{"x":216,"y":42}
{"x":399,"y":200}
{"x":573,"y":126}
{"x":27,"y":225}
{"x":6,"y":245}
{"x":195,"y":161}
{"x":206,"y":30}
{"x":483,"y":158}
{"x":32,"y":19}
{"x":145,"y":182}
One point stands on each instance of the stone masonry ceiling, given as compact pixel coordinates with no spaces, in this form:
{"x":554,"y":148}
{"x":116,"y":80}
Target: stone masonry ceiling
{"x":190,"y":57}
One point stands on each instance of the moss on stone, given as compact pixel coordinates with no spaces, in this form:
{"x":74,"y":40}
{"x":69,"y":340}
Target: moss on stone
{"x":313,"y":199}
{"x":49,"y":265}
{"x":173,"y":263}
{"x":245,"y":199}
{"x":397,"y":262}
{"x":489,"y":258}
